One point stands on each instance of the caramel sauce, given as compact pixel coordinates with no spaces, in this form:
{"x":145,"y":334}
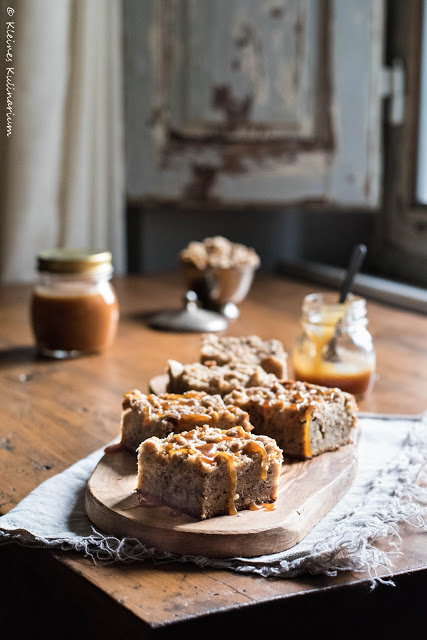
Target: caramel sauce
{"x":242,"y":433}
{"x":166,"y":401}
{"x":354,"y":372}
{"x":85,"y":321}
{"x":306,"y":445}
{"x":357,"y":383}
{"x":183,"y":408}
{"x":265,"y":506}
{"x":193,"y":418}
{"x":258,"y":448}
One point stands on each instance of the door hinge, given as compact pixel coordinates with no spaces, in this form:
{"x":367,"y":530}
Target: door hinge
{"x":393,"y":89}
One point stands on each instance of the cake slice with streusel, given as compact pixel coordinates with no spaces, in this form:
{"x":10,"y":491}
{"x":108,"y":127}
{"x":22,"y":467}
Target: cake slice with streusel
{"x":269,"y":353}
{"x":208,"y":472}
{"x":215,"y":379}
{"x":305,"y":419}
{"x":149,"y":415}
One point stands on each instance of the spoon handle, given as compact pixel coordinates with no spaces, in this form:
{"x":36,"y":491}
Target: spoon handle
{"x":358,"y":255}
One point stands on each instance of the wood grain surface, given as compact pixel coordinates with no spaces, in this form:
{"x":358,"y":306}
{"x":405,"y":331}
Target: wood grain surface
{"x":53,"y":413}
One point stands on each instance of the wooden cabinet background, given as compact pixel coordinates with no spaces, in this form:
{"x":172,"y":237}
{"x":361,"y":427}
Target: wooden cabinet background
{"x":254,"y":102}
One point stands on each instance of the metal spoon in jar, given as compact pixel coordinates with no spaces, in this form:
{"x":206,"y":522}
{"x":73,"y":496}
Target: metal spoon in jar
{"x":329,"y":352}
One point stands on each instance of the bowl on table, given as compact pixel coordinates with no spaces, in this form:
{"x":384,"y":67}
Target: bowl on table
{"x":219,"y":289}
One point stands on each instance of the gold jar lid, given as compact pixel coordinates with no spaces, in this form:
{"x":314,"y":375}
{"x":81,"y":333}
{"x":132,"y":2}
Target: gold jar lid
{"x":74,"y":261}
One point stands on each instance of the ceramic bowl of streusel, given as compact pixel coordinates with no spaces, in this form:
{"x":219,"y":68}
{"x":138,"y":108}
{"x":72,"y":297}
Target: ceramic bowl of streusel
{"x":219,"y":272}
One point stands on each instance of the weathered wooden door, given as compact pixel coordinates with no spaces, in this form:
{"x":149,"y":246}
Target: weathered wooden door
{"x":240,"y":102}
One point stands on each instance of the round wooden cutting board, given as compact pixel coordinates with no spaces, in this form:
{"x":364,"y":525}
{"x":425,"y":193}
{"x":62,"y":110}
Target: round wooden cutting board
{"x":307,"y":491}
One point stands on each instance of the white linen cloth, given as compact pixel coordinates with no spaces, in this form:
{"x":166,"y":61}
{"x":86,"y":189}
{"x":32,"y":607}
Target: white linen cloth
{"x":388,"y":489}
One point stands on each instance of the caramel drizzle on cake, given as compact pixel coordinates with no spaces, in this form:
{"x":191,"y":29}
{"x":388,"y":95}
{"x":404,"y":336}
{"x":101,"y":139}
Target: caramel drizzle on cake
{"x":298,"y":400}
{"x":306,"y":443}
{"x":209,"y":453}
{"x":186,"y":402}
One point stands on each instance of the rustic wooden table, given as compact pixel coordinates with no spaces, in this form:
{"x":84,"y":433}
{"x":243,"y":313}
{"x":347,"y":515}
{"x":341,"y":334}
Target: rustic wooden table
{"x":55,"y":412}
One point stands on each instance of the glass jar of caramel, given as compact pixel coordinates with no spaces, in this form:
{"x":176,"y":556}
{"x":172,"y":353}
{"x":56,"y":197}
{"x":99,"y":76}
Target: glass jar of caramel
{"x":335,"y":348}
{"x":74,"y":307}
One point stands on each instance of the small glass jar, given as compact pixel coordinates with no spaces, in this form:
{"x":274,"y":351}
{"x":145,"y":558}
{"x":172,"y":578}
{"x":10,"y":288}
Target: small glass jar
{"x":335,"y":348}
{"x":74,"y":307}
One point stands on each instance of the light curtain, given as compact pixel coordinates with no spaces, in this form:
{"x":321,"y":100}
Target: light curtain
{"x":63,"y":162}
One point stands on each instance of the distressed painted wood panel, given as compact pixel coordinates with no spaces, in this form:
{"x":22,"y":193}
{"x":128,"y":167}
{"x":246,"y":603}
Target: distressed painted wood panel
{"x":236,"y":102}
{"x":245,"y":66}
